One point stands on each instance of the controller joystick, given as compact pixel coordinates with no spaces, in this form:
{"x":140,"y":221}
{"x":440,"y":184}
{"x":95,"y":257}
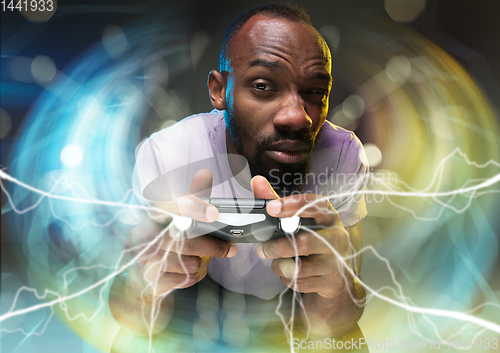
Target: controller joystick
{"x":290,"y":225}
{"x":183,"y":223}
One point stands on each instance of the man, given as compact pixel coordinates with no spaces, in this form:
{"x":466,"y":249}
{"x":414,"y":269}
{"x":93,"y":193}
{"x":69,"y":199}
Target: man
{"x":271,"y":101}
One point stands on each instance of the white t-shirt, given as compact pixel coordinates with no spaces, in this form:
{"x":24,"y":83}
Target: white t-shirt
{"x":169,"y":159}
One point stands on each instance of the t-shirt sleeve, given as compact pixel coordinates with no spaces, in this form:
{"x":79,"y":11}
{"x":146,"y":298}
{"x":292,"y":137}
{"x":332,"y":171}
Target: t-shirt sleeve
{"x":349,"y":184}
{"x":168,"y":160}
{"x":146,"y":169}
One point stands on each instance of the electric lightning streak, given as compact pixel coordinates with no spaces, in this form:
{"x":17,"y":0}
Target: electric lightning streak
{"x":438,"y":175}
{"x":141,"y":249}
{"x":404,"y":303}
{"x":407,"y":305}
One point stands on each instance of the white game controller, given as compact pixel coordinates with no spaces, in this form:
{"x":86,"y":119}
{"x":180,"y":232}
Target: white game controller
{"x":243,"y":221}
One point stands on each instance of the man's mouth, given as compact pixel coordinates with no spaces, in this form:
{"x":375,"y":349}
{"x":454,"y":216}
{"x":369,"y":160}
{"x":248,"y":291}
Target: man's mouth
{"x":288,"y":151}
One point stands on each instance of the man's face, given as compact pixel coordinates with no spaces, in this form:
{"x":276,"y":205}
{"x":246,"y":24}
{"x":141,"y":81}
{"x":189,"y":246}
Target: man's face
{"x":277,"y":95}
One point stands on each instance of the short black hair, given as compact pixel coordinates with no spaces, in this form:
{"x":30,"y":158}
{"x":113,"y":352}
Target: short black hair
{"x":287,"y":11}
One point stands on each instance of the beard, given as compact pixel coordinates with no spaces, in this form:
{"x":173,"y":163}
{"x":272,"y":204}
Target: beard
{"x":285,"y":179}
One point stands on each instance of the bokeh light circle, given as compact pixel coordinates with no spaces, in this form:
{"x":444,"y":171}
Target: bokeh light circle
{"x":71,"y":155}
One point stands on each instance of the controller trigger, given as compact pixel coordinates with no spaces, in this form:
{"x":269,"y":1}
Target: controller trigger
{"x":290,"y":225}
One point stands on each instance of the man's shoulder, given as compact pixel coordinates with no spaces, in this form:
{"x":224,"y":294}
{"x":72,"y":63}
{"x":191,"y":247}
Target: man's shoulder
{"x":195,"y":132}
{"x":335,"y":136}
{"x":178,"y":152}
{"x":191,"y":126}
{"x":338,"y":150}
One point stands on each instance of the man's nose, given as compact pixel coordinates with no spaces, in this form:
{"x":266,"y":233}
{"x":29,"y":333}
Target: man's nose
{"x":292,"y":114}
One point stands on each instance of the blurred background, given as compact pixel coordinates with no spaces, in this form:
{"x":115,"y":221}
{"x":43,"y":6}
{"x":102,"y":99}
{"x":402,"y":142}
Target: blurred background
{"x":82,"y":85}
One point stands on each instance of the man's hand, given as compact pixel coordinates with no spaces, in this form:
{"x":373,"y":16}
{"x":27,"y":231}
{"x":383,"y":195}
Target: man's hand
{"x":309,"y":263}
{"x":319,"y":269}
{"x":173,"y":261}
{"x":179,"y":262}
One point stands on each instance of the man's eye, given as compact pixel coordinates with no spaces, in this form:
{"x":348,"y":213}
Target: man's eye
{"x":318,"y":92}
{"x":262,"y":86}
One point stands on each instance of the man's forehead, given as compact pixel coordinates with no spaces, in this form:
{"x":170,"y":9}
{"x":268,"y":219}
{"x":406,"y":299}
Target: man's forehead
{"x":266,"y":34}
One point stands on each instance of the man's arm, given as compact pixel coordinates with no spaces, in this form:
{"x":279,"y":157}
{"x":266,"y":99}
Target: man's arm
{"x":334,"y":317}
{"x":132,"y":310}
{"x":333,"y":299}
{"x":170,"y":262}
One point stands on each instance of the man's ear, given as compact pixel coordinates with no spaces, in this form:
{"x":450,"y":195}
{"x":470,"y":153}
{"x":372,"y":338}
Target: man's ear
{"x":217,"y":89}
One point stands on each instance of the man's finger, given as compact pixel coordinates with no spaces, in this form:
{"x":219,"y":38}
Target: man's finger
{"x":162,"y":283}
{"x":180,"y":280}
{"x":326,"y":286}
{"x":169,"y":204}
{"x":262,"y":189}
{"x":184,"y":205}
{"x":177,"y":263}
{"x":304,"y":244}
{"x":308,"y":266}
{"x":305,"y":205}
{"x":204,"y":245}
{"x":201,"y":185}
